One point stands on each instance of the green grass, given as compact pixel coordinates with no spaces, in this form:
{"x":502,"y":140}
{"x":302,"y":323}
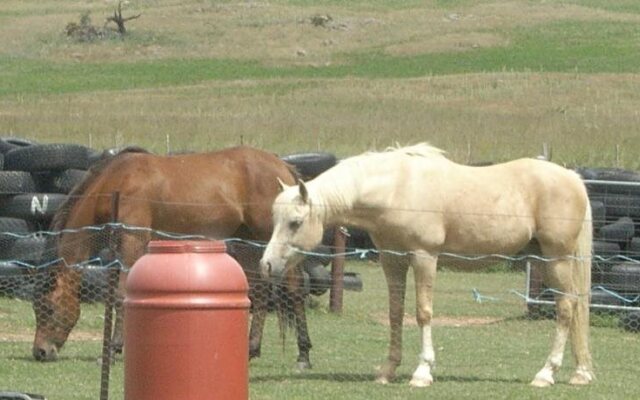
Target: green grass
{"x":568,"y":46}
{"x":487,"y":361}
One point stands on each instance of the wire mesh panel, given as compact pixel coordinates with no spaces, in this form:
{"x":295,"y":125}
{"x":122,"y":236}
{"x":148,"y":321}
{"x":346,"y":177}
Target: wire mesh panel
{"x":480,"y":316}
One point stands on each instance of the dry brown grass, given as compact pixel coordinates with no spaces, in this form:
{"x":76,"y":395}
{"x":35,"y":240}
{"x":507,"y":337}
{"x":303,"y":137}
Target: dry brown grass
{"x":475,"y":117}
{"x":275,"y":32}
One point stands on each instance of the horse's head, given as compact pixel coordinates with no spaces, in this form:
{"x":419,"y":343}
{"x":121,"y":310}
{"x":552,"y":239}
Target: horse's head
{"x":56,"y":305}
{"x":297,"y":227}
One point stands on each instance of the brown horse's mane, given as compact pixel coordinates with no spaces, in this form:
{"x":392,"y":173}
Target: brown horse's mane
{"x":59,"y":220}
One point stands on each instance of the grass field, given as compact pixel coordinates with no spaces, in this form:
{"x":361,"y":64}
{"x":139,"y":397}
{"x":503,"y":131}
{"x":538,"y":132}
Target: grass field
{"x":486,"y":350}
{"x":486,"y":80}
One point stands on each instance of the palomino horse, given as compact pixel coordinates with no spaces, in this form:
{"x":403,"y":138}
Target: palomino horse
{"x":222,"y":194}
{"x":415,"y":201}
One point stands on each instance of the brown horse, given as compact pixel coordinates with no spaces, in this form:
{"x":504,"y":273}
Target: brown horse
{"x":221,"y":194}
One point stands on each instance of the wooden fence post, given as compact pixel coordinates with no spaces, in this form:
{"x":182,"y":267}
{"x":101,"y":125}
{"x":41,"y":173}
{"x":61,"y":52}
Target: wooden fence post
{"x":337,"y":271}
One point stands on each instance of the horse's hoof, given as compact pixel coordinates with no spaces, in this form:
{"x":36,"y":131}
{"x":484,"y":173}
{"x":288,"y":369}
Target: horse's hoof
{"x":421,"y":383}
{"x":541,"y":383}
{"x":302,"y":366}
{"x":383,"y":380}
{"x":581,"y":378}
{"x":385,"y":373}
{"x":253,"y":353}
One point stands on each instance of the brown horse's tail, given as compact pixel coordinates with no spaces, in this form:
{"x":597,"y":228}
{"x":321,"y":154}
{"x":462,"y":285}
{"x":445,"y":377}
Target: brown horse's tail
{"x":582,"y":284}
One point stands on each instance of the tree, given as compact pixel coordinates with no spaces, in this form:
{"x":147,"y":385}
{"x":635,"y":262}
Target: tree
{"x":120,"y":20}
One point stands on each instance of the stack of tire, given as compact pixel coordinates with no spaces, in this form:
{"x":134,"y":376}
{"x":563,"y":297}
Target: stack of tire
{"x":34,"y":181}
{"x":615,"y":201}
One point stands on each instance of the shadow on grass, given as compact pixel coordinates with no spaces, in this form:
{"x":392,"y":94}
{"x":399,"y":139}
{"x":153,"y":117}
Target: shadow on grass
{"x":62,"y":359}
{"x":354,"y":378}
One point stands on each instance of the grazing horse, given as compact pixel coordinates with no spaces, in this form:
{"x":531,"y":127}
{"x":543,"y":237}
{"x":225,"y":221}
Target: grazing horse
{"x":223,"y":194}
{"x":419,"y":204}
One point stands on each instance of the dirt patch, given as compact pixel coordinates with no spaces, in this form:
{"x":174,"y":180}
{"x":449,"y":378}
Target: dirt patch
{"x":410,"y":320}
{"x":81,"y":336}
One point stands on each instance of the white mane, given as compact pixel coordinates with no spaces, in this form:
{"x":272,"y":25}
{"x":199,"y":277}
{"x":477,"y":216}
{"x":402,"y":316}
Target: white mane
{"x":420,"y":149}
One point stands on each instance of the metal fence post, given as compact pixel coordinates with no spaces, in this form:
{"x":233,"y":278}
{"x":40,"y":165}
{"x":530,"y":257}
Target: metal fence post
{"x":113,"y":280}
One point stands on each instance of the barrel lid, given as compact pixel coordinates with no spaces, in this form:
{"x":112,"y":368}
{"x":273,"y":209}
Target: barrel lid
{"x":186,"y":246}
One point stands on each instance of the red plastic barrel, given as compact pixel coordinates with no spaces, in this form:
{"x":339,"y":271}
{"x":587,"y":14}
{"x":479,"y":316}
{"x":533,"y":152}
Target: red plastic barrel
{"x":186,"y":317}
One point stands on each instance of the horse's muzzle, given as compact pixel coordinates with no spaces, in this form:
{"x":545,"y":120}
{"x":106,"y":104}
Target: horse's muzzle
{"x":265,"y":269}
{"x":46,"y":352}
{"x":271,"y":270}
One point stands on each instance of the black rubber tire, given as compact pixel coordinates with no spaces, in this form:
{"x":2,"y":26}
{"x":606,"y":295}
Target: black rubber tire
{"x":30,"y":249}
{"x":359,"y":239}
{"x":319,"y":279}
{"x":323,"y":256}
{"x":598,"y":214}
{"x":10,"y":143}
{"x":631,"y":321}
{"x":12,"y":182}
{"x":14,"y":225}
{"x":59,"y":181}
{"x":620,"y":231}
{"x":9,"y":227}
{"x":352,"y":281}
{"x":605,"y":249}
{"x":6,"y":146}
{"x":633,"y":249}
{"x":32,"y":206}
{"x":310,"y":165}
{"x":14,"y":280}
{"x":625,"y":278}
{"x":606,"y":299}
{"x":620,"y":205}
{"x":100,"y":155}
{"x":46,"y":157}
{"x":1,"y":161}
{"x":94,"y":284}
{"x":608,"y":174}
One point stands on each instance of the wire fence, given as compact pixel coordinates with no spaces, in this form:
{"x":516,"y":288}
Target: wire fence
{"x":42,"y":293}
{"x":510,"y":290}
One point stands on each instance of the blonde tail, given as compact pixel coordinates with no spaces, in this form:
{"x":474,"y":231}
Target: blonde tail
{"x":582,"y":284}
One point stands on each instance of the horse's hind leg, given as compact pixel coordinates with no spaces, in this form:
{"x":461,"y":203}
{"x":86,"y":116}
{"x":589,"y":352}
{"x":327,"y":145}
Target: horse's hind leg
{"x":259,"y":303}
{"x":248,"y":256}
{"x":131,"y":248}
{"x":395,"y":270}
{"x":558,"y":275}
{"x":424,"y":267}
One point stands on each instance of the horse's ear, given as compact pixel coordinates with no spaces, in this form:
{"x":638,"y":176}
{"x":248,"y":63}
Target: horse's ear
{"x":303,"y":191}
{"x":282,"y":185}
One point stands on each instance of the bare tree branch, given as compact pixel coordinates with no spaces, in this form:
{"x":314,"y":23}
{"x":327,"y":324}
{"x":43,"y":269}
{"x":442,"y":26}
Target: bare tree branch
{"x":119,"y":20}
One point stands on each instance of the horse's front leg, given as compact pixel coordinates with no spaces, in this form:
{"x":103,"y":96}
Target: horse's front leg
{"x":117,"y":341}
{"x":302,"y":331}
{"x":425,"y":274}
{"x":259,"y":293}
{"x":131,"y":249}
{"x":395,"y":270}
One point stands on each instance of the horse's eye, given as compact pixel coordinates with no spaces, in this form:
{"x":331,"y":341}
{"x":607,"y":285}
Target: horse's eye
{"x":294,"y":225}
